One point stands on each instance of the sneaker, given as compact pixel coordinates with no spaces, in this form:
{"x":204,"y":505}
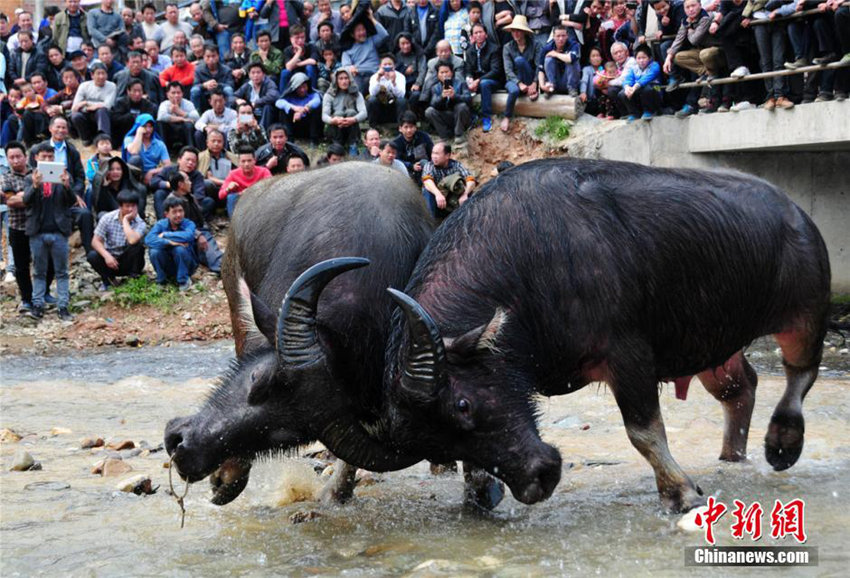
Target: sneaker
{"x":104,"y":287}
{"x":823,"y":97}
{"x":630,"y":119}
{"x":799,"y":63}
{"x":486,"y":124}
{"x":65,"y":315}
{"x":743,"y":105}
{"x":769,"y":104}
{"x":49,"y":301}
{"x":36,"y":312}
{"x":25,"y":307}
{"x":840,"y":96}
{"x":825,"y":59}
{"x":185,"y":286}
{"x":9,"y":278}
{"x":740,"y":72}
{"x":673,"y":84}
{"x":845,"y":59}
{"x":685,"y":111}
{"x":784,"y":103}
{"x":722,"y":108}
{"x":646,"y":116}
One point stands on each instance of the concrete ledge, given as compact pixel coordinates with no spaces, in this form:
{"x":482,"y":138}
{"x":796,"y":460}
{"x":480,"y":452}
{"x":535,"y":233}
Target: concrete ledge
{"x":821,"y":126}
{"x":556,"y":105}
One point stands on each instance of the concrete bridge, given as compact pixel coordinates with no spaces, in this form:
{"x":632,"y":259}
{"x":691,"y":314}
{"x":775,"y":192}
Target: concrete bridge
{"x":805,"y":151}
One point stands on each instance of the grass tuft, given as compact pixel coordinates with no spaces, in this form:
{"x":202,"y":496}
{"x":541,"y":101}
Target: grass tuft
{"x":143,"y":291}
{"x":554,"y":127}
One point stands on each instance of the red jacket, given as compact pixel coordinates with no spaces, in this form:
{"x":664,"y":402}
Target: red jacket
{"x":238,"y":177}
{"x":185,"y":75}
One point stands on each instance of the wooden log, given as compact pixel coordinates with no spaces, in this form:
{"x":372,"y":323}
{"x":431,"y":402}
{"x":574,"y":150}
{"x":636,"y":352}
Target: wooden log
{"x":557,"y":105}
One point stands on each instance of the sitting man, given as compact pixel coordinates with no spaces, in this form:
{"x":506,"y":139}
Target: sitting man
{"x":362,"y":58}
{"x":181,"y":71}
{"x":386,"y":93}
{"x":211,"y":75}
{"x":205,"y":246}
{"x":343,"y":109}
{"x":434,"y":184}
{"x":388,"y":158}
{"x":414,"y":146}
{"x":300,"y":56}
{"x":248,"y":131}
{"x":241,"y":178}
{"x":371,"y":145}
{"x":135,"y":70}
{"x":176,"y":118}
{"x":144,"y":150}
{"x":484,"y":71}
{"x":171,"y":244}
{"x":267,"y":56}
{"x":561,"y":71}
{"x":301,"y":109}
{"x":275,"y":155}
{"x":449,"y":112}
{"x":218,"y":117}
{"x":128,"y":108}
{"x":215,"y":164}
{"x":48,"y":227}
{"x":187,"y":163}
{"x":117,"y":248}
{"x":260,"y":92}
{"x":92,"y":103}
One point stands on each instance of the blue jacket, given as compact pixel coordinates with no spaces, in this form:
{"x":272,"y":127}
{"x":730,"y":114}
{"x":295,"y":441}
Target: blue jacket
{"x":651,"y":75}
{"x":572,"y":47}
{"x":184,"y":234}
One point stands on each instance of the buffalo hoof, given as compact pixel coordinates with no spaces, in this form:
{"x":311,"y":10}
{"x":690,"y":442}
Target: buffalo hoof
{"x":229,"y":480}
{"x":783,"y":443}
{"x":340,"y":488}
{"x":683,"y":501}
{"x":486,"y":495}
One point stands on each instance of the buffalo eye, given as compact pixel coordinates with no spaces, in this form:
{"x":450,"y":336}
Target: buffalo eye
{"x":463,"y":406}
{"x":254,"y":376}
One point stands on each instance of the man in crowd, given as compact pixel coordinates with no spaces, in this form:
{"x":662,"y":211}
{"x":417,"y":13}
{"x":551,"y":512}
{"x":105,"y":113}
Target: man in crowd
{"x":214,"y":163}
{"x":135,"y":71}
{"x":128,"y":107}
{"x":106,"y":55}
{"x":13,"y":185}
{"x":449,"y":112}
{"x":102,"y":23}
{"x":388,"y":159}
{"x":260,"y":92}
{"x":268,"y":56}
{"x":237,"y":59}
{"x":171,"y":244}
{"x":117,"y":248}
{"x":434,"y":173}
{"x":301,"y":109}
{"x":561,"y":71}
{"x":172,"y":25}
{"x":414,"y":146}
{"x":206,"y":248}
{"x":362,"y":57}
{"x":241,"y":178}
{"x":300,"y":56}
{"x":484,"y":73}
{"x":176,"y":118}
{"x":343,"y":109}
{"x":275,"y":155}
{"x":187,"y":163}
{"x":25,"y":60}
{"x":157,"y":62}
{"x":149,"y":25}
{"x":223,"y":20}
{"x":386,"y":93}
{"x":94,"y":99}
{"x":209,"y":76}
{"x":217,"y":118}
{"x":70,"y":27}
{"x":181,"y":71}
{"x":144,"y":150}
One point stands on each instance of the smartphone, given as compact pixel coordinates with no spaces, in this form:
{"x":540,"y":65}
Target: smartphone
{"x":447,"y":84}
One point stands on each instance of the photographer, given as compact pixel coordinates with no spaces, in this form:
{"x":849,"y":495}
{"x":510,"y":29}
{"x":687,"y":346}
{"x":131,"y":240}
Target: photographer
{"x":449,"y":111}
{"x":386,"y":93}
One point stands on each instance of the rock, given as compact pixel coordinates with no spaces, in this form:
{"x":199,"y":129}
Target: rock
{"x":301,"y":517}
{"x":128,"y":454}
{"x":87,"y":443}
{"x":122,"y":445}
{"x":97,"y":468}
{"x":113,"y":467}
{"x":138,"y":485}
{"x":366,"y":478}
{"x":132,"y":340}
{"x":327,"y":472}
{"x":82,"y":303}
{"x":60,"y":431}
{"x":22,"y":461}
{"x":8,"y":436}
{"x":585,"y":427}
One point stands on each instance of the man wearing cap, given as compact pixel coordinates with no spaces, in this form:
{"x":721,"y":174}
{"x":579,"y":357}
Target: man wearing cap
{"x":70,"y":27}
{"x":520,"y":57}
{"x":80,"y":65}
{"x":94,"y":99}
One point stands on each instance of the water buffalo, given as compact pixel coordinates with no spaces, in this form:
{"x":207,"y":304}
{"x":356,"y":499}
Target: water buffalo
{"x":563,"y":272}
{"x":315,"y":371}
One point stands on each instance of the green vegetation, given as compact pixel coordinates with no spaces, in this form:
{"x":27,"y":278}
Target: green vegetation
{"x":554,"y":127}
{"x":143,"y":291}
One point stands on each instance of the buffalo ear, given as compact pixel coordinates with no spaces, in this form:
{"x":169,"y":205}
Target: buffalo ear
{"x":258,"y":321}
{"x":478,"y":340}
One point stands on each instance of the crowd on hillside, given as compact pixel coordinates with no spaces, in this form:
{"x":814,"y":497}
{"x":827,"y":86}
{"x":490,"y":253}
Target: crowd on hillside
{"x":203,"y":104}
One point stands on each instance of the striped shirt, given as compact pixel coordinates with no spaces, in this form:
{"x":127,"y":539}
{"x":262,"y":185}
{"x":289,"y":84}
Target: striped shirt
{"x":110,"y":229}
{"x":437,"y":174}
{"x":13,"y":183}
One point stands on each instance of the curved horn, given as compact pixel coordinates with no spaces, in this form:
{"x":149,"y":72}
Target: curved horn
{"x":426,"y":356}
{"x":355,"y":444}
{"x":297,"y":341}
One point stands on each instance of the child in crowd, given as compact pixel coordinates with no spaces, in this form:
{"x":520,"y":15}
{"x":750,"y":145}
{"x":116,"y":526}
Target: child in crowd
{"x":103,"y":152}
{"x":640,"y":93}
{"x":30,"y":100}
{"x":587,"y":86}
{"x":326,"y":68}
{"x":413,"y":145}
{"x":474,"y":9}
{"x":603,"y":76}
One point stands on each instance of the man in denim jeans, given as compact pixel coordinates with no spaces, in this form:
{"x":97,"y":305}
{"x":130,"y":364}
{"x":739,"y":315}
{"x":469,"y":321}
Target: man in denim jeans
{"x":49,"y":223}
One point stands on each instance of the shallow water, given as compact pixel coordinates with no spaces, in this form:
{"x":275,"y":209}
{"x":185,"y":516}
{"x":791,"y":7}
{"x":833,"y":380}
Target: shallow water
{"x":604,"y":518}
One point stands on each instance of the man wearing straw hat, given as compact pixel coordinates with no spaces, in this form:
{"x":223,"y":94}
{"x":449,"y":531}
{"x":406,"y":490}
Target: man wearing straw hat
{"x":521,"y":57}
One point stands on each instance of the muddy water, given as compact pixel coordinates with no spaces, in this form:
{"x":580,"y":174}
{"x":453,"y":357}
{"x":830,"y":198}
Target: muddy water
{"x":604,"y":518}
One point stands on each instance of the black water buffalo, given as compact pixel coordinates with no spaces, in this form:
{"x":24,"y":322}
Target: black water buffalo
{"x":563,"y":272}
{"x":315,"y":371}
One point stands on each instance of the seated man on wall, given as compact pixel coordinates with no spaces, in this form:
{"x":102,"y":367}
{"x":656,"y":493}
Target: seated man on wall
{"x":117,"y":248}
{"x":449,"y":112}
{"x":171,"y":244}
{"x":560,"y":71}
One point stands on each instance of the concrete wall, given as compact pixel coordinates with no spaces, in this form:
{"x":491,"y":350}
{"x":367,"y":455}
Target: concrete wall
{"x":818,"y":181}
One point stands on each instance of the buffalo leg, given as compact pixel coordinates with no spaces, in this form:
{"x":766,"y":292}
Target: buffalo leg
{"x":801,"y":354}
{"x":733,"y":384}
{"x":637,"y":398}
{"x":340,"y":488}
{"x":481,"y":490}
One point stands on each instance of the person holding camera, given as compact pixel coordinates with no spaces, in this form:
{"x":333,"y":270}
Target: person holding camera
{"x":450,"y":100}
{"x":386,"y":93}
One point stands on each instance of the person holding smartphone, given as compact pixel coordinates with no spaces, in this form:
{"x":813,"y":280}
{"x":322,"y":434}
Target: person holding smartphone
{"x":386,"y":93}
{"x":449,"y":112}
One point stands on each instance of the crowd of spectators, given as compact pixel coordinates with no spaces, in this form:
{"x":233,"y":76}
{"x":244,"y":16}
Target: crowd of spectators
{"x":208,"y":101}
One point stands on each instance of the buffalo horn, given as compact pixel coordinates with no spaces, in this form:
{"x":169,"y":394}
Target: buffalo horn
{"x":297,"y":341}
{"x":426,"y":359}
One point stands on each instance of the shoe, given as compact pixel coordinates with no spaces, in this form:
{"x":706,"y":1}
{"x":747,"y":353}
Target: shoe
{"x":740,"y":72}
{"x":825,"y":59}
{"x":685,"y":111}
{"x":823,"y":97}
{"x":845,"y":59}
{"x":743,"y":105}
{"x":104,"y":287}
{"x":65,"y":315}
{"x":840,"y":96}
{"x":722,"y":108}
{"x":185,"y":286}
{"x":784,"y":103}
{"x":646,"y":116}
{"x":769,"y":104}
{"x":573,"y":93}
{"x":807,"y":100}
{"x":711,"y":108}
{"x":486,"y":124}
{"x":9,"y":278}
{"x":673,"y":84}
{"x":799,"y":63}
{"x":630,"y":119}
{"x":25,"y":307}
{"x":36,"y":312}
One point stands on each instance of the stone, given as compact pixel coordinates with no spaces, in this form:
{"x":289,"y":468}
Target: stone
{"x":132,"y":341}
{"x":138,"y":485}
{"x":301,"y":517}
{"x":122,"y":445}
{"x":87,"y":443}
{"x":82,"y":303}
{"x":327,"y":472}
{"x":127,"y":454}
{"x":113,"y":468}
{"x":97,"y":468}
{"x":22,"y":461}
{"x":366,"y":478}
{"x":60,"y":431}
{"x":7,"y":436}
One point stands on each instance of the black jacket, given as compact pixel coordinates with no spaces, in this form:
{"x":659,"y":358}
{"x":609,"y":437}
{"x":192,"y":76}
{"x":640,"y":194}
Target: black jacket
{"x":37,"y":62}
{"x":62,"y":199}
{"x":432,"y":17}
{"x":150,"y":82}
{"x":491,"y":62}
{"x":265,"y":152}
{"x":124,"y":112}
{"x":75,"y":168}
